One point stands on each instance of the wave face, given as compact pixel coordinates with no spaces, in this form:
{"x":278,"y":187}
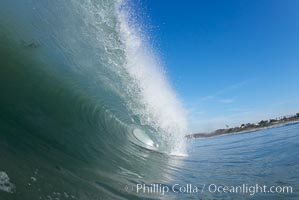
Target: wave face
{"x":103,"y":64}
{"x":80,"y":86}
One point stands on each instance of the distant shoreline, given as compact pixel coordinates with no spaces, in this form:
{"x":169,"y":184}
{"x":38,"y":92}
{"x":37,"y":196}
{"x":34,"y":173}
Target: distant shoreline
{"x":245,"y":128}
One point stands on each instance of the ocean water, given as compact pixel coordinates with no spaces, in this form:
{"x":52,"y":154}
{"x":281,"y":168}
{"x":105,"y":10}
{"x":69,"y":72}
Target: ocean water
{"x":87,"y":112}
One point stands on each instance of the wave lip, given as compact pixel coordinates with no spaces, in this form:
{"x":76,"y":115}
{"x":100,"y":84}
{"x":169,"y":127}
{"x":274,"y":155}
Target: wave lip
{"x":157,"y":105}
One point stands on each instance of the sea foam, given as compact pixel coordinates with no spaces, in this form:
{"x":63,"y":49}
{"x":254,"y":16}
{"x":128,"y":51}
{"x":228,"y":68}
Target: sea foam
{"x":5,"y":184}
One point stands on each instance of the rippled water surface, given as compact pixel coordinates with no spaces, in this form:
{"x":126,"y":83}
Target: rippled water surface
{"x":266,"y":157}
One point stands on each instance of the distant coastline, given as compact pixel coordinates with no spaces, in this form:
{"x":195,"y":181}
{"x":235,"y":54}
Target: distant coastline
{"x":249,"y":127}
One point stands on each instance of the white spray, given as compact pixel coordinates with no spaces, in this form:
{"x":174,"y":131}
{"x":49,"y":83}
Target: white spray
{"x":161,"y":108}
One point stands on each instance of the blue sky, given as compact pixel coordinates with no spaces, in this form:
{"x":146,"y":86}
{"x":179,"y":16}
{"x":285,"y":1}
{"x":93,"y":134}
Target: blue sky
{"x":230,"y":61}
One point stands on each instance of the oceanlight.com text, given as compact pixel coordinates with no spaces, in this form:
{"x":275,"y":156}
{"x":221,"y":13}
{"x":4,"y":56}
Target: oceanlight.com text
{"x":251,"y":189}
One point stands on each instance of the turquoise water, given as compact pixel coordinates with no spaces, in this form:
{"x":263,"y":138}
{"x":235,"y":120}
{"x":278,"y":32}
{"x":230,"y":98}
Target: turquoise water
{"x":87,"y":112}
{"x":266,"y":157}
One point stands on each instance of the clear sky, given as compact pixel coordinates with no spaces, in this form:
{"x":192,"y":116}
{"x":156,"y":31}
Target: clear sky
{"x":232,"y":61}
